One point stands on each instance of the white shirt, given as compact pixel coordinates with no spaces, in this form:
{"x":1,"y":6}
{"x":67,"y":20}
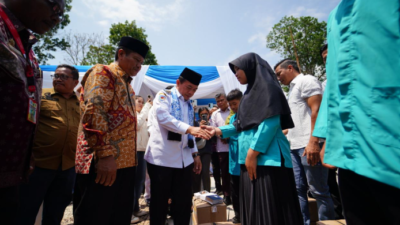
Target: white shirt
{"x":141,"y":128}
{"x":218,"y":119}
{"x":160,"y":151}
{"x":301,"y":88}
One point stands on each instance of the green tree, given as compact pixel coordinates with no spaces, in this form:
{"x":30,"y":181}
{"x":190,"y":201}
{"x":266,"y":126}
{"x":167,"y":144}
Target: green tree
{"x":119,"y":30}
{"x":309,"y":35}
{"x":104,"y":54}
{"x":48,"y":42}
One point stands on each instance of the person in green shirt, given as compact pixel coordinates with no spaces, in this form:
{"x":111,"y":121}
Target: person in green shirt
{"x":359,"y":114}
{"x":267,"y":187}
{"x":234,"y":98}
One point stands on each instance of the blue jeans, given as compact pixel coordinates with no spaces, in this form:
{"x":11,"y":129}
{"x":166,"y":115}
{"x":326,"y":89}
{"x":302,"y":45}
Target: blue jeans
{"x":139,"y":180}
{"x":53,"y":188}
{"x":316,"y":179}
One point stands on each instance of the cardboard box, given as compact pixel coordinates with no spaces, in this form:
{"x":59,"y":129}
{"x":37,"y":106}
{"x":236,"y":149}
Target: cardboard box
{"x":331,"y":222}
{"x":313,"y":208}
{"x":203,"y":212}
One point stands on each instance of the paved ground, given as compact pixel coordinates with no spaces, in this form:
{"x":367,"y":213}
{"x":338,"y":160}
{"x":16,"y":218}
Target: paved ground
{"x":69,"y":220}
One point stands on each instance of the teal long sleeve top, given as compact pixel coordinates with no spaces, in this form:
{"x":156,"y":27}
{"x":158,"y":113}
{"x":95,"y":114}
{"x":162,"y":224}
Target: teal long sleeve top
{"x":267,"y":138}
{"x":234,"y":166}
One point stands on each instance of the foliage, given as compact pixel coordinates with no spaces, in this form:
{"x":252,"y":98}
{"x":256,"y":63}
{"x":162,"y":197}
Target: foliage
{"x":309,"y":35}
{"x":48,"y":42}
{"x":104,"y":54}
{"x":119,"y":30}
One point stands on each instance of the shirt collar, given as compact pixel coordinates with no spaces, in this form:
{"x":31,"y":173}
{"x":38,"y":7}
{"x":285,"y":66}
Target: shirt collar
{"x":179,"y":95}
{"x":226,"y":110}
{"x":117,"y":70}
{"x":297,"y":78}
{"x":54,"y":92}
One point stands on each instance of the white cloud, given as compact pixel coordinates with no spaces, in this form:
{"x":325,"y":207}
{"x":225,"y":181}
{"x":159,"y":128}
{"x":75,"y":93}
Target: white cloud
{"x":303,"y":11}
{"x":258,"y":38}
{"x":153,"y":15}
{"x":104,"y":23}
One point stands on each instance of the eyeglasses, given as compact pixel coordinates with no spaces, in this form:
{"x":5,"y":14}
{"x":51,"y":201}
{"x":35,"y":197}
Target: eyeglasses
{"x":58,"y":10}
{"x":61,"y":76}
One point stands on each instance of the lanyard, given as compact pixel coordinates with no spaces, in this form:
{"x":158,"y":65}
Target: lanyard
{"x":29,"y":70}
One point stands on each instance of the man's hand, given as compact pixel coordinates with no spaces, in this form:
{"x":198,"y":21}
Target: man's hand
{"x":212,"y":131}
{"x":199,"y":133}
{"x":106,"y":171}
{"x":197,"y":165}
{"x":322,"y":154}
{"x":312,"y":151}
{"x":251,"y":163}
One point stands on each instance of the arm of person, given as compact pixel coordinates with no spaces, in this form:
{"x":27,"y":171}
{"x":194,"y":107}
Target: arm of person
{"x":98,"y":97}
{"x":312,"y":149}
{"x":141,"y":119}
{"x":259,"y":144}
{"x":166,"y":120}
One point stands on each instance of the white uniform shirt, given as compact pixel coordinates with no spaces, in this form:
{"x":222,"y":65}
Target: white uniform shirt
{"x":161,"y":151}
{"x":218,"y":119}
{"x":301,"y":88}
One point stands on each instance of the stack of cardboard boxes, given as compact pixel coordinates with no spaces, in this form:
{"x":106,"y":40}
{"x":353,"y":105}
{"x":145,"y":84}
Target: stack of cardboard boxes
{"x":205,"y":213}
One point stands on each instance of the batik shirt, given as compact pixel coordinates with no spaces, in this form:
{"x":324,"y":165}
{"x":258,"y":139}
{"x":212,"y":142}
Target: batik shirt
{"x":17,"y":132}
{"x":108,"y":119}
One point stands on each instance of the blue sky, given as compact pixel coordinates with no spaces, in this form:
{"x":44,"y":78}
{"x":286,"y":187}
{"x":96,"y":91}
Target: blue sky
{"x":195,"y":32}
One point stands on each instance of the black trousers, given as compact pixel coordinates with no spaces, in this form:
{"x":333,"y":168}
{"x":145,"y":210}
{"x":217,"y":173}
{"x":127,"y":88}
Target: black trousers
{"x":335,"y":194}
{"x":98,"y":204}
{"x":366,"y":201}
{"x":226,"y":177}
{"x":204,"y":175}
{"x":216,"y":170}
{"x":235,"y":190}
{"x":9,"y":205}
{"x":169,"y":182}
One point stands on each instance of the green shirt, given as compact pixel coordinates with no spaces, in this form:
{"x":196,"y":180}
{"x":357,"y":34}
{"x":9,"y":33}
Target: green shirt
{"x":363,"y":99}
{"x":267,"y":138}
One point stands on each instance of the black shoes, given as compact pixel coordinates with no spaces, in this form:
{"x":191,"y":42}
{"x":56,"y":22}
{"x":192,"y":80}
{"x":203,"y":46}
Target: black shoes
{"x":227,"y":200}
{"x":235,"y":220}
{"x":219,"y":192}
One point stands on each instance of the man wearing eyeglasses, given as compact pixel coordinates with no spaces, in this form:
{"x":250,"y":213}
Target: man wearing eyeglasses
{"x":20,"y":91}
{"x":106,"y":150}
{"x":54,"y":147}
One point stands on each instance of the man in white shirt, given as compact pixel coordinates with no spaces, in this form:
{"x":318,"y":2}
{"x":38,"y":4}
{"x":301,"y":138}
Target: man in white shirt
{"x":218,"y":119}
{"x":305,"y":94}
{"x":171,"y":153}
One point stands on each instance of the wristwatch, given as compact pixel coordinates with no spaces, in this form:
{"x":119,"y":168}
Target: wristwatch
{"x":195,"y":155}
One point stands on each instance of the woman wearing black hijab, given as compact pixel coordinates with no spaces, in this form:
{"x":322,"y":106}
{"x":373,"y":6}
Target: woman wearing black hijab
{"x":267,"y":187}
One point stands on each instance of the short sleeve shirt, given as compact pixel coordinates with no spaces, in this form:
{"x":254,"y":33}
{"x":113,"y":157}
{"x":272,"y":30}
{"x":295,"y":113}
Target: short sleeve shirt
{"x":301,"y":88}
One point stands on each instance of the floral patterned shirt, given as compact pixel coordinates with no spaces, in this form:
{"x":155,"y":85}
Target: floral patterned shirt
{"x":108,"y":118}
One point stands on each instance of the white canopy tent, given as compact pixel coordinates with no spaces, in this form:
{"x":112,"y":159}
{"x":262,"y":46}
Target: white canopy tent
{"x":151,"y":79}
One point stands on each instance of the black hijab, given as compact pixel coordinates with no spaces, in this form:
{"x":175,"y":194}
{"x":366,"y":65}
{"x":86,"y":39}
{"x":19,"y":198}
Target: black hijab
{"x":263,"y":98}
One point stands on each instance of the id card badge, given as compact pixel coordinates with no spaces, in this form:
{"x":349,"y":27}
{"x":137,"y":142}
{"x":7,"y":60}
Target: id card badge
{"x":32,"y":110}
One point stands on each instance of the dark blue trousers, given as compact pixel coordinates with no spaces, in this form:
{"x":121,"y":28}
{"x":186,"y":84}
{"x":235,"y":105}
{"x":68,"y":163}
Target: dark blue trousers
{"x":53,"y":188}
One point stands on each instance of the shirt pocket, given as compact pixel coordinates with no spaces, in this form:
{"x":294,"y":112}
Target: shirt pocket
{"x":50,"y":109}
{"x":385,"y":111}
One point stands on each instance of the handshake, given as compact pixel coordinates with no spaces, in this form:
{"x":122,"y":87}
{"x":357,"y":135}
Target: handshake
{"x":205,"y":132}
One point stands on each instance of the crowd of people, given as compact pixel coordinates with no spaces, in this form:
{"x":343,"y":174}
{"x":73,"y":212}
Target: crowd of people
{"x":99,"y":147}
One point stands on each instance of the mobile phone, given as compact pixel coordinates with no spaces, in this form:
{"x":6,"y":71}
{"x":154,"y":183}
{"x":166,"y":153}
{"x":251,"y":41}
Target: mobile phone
{"x":210,"y":105}
{"x":149,"y":96}
{"x":194,"y":103}
{"x":204,"y":117}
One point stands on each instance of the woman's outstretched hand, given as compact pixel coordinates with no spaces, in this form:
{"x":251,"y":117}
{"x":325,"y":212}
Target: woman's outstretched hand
{"x":212,"y":131}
